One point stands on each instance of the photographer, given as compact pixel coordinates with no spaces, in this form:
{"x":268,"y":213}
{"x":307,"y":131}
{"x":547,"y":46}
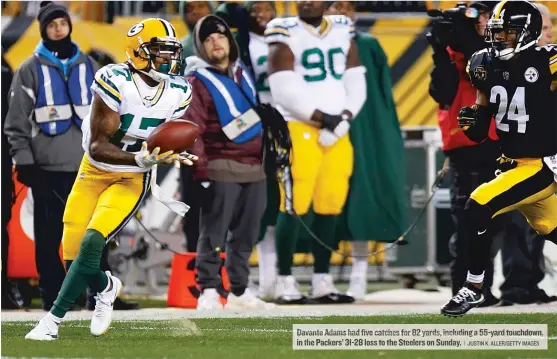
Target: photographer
{"x":455,"y":35}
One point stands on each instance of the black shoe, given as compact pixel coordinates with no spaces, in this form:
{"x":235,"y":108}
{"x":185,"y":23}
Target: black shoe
{"x":505,"y":303}
{"x":333,"y":298}
{"x":468,"y":297}
{"x":9,"y":301}
{"x":291,"y":300}
{"x":548,"y":299}
{"x":490,"y":301}
{"x":541,"y":297}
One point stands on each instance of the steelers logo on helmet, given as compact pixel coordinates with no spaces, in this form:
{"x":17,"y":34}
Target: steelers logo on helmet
{"x":514,"y":26}
{"x":153,"y":49}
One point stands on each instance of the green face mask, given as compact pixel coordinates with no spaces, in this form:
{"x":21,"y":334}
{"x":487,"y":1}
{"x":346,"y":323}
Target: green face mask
{"x":164,"y":68}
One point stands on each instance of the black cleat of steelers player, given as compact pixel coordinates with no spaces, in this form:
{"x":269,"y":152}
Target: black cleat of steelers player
{"x":468,"y":297}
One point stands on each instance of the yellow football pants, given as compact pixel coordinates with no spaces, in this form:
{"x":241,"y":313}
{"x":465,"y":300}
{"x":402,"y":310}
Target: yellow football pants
{"x":320,"y":175}
{"x":100,"y":200}
{"x":529,"y":188}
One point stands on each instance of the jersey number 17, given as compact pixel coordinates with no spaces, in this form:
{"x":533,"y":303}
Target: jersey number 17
{"x":516,"y":111}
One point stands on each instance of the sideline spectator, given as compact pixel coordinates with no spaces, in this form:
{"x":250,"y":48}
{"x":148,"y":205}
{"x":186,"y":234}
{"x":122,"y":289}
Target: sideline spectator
{"x":230,"y":165}
{"x":49,"y":97}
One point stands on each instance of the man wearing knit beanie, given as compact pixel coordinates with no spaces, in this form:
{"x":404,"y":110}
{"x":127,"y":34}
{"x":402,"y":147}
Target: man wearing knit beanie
{"x":49,"y":97}
{"x":230,"y":168}
{"x":56,"y":28}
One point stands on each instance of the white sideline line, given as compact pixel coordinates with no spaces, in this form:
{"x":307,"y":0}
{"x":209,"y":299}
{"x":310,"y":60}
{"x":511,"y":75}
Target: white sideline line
{"x":247,"y":330}
{"x":176,"y":327}
{"x":299,"y":312}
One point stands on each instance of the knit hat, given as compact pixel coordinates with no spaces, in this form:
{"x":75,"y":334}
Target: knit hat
{"x":208,"y":25}
{"x":211,"y":25}
{"x":50,"y":11}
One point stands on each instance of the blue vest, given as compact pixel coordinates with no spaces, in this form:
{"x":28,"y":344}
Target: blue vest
{"x":54,"y":109}
{"x":239,"y":121}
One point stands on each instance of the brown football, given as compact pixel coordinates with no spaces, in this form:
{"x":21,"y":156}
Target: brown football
{"x":177,"y":136}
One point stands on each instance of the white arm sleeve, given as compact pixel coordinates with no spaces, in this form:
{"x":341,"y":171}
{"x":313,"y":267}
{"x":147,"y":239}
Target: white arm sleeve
{"x":290,"y":91}
{"x":354,"y":80}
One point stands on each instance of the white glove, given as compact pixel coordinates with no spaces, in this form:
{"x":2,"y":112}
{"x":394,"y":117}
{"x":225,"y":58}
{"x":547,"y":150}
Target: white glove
{"x":327,"y":138}
{"x":338,"y":124}
{"x":185,"y":158}
{"x":342,"y":128}
{"x":146,"y":159}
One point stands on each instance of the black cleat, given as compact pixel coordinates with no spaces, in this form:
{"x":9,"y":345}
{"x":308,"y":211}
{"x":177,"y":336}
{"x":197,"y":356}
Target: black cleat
{"x":468,"y":297}
{"x":490,"y":301}
{"x":324,"y":291}
{"x":289,"y":300}
{"x":333,"y":298}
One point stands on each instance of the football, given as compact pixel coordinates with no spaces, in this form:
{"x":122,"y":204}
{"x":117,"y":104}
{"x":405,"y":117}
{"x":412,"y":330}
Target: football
{"x":177,"y":136}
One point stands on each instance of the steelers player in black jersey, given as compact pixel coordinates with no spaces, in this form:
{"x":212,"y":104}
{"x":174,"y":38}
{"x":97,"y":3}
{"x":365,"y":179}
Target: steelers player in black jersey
{"x":516,"y":83}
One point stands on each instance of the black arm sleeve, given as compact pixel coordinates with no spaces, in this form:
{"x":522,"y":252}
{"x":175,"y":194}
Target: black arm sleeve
{"x":444,"y":79}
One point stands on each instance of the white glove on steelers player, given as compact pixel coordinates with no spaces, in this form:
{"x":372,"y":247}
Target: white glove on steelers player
{"x":327,"y":138}
{"x":146,"y":159}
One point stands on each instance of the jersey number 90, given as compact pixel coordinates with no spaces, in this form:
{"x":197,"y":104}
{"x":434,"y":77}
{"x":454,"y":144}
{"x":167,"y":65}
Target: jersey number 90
{"x":314,"y":59}
{"x":516,"y":111}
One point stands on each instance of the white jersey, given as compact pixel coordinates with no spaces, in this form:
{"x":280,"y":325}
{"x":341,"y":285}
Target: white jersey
{"x":141,"y":107}
{"x":319,"y":56}
{"x":259,"y":50}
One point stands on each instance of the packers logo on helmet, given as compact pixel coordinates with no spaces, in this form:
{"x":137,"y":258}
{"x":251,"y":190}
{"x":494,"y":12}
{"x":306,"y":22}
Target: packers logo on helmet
{"x":153,"y":49}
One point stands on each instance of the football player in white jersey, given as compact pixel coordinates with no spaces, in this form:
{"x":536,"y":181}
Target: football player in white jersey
{"x":318,"y":85}
{"x":261,"y":13}
{"x":130,"y":100}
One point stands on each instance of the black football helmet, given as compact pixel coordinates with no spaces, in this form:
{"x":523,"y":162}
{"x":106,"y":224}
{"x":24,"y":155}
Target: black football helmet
{"x":519,"y":17}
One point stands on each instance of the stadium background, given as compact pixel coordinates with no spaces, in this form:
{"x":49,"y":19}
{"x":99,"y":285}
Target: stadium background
{"x":400,"y":27}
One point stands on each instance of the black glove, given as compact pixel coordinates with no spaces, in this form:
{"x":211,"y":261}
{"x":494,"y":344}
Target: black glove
{"x":475,"y":122}
{"x":337,"y":124}
{"x":505,"y":164}
{"x":27,"y":174}
{"x":467,"y":117}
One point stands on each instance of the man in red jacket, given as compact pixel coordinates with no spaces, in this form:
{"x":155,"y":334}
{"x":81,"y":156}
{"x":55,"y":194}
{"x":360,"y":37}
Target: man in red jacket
{"x":230,"y":163}
{"x":470,"y":163}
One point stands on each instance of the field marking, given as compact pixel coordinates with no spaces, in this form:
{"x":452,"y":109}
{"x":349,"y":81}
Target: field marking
{"x":190,"y":326}
{"x":298,"y":311}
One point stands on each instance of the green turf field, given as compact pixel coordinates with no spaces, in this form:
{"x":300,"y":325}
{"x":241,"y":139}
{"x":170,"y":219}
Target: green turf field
{"x":258,"y":338}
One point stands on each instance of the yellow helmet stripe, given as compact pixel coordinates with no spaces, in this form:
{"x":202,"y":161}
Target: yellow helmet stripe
{"x":498,"y":8}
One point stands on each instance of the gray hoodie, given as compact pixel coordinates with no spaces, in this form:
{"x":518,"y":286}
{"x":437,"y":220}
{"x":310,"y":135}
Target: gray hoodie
{"x":29,"y":145}
{"x":200,"y":60}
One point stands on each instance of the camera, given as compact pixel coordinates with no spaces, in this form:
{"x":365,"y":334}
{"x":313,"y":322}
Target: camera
{"x":454,"y":27}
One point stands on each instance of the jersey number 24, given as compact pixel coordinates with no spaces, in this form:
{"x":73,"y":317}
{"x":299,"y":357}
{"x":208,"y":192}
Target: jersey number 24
{"x":515,"y":111}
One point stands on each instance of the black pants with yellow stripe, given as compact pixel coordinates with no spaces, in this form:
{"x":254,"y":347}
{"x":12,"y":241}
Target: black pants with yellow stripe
{"x":529,"y":187}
